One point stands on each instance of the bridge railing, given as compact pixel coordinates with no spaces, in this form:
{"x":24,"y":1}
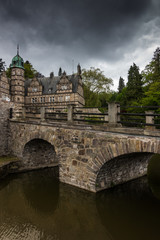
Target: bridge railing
{"x":113,"y":115}
{"x":76,"y":114}
{"x":56,"y":114}
{"x":90,"y":115}
{"x":133,"y":116}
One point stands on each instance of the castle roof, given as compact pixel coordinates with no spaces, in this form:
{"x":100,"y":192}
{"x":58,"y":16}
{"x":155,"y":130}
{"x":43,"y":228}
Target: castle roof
{"x":50,"y":84}
{"x":17,"y":62}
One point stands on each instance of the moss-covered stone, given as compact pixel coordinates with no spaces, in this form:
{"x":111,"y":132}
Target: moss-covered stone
{"x":7,"y":159}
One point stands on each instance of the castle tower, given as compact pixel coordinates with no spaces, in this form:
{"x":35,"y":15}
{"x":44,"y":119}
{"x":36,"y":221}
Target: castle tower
{"x":17,"y":81}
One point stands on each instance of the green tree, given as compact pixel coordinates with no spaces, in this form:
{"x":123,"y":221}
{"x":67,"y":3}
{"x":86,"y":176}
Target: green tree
{"x":152,"y":95}
{"x":91,"y":98}
{"x":30,"y":72}
{"x":95,"y":80}
{"x":151,"y":72}
{"x":151,"y":78}
{"x":121,"y":84}
{"x":134,"y":89}
{"x":122,"y":97}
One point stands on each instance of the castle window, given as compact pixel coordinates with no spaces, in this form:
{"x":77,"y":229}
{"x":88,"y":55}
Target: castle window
{"x":51,"y":99}
{"x":60,"y":99}
{"x":67,"y":98}
{"x":41,"y":99}
{"x":33,"y":100}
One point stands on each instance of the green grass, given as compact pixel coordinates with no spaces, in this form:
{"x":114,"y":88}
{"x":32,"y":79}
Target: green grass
{"x":6,"y":159}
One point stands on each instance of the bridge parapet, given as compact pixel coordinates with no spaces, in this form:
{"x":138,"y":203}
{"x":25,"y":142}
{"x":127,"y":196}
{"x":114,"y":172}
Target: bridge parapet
{"x":114,"y":115}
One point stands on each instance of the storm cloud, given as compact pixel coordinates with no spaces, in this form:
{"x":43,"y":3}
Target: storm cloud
{"x":110,"y":34}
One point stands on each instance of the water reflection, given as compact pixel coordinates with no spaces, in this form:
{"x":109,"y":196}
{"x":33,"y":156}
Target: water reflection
{"x":35,"y":206}
{"x":41,"y":192}
{"x":130,"y":211}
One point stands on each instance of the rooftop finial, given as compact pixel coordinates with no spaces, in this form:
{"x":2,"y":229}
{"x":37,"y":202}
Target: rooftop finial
{"x":18,"y":49}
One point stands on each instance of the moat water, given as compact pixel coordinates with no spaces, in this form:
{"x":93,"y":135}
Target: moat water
{"x":36,"y":206}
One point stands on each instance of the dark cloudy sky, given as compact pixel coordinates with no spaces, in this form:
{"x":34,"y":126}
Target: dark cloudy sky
{"x":109,"y":34}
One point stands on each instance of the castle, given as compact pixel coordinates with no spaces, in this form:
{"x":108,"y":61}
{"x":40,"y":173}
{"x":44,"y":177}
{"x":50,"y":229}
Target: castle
{"x":56,"y":92}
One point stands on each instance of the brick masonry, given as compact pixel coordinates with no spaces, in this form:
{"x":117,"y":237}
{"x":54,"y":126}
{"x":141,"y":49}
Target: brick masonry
{"x":84,"y":154}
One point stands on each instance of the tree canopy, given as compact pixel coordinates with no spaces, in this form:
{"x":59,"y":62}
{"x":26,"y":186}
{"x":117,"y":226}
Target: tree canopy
{"x":30,"y":72}
{"x":96,"y":87}
{"x":95,"y":80}
{"x":151,"y":72}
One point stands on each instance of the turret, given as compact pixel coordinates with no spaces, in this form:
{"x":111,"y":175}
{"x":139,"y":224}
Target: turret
{"x":17,"y":79}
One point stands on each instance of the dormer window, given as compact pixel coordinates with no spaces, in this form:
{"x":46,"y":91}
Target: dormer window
{"x":49,"y":90}
{"x":34,"y":89}
{"x":64,"y":87}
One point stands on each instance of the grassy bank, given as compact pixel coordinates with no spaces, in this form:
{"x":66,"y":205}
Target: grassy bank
{"x":7,"y":159}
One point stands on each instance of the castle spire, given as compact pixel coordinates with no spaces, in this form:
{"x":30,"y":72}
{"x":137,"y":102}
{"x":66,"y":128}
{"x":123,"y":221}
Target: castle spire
{"x":18,"y":49}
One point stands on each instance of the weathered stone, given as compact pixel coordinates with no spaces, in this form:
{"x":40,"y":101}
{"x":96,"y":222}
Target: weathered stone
{"x":81,"y":146}
{"x":85,"y":160}
{"x":74,"y":163}
{"x":89,"y":151}
{"x":81,"y":152}
{"x":95,"y":142}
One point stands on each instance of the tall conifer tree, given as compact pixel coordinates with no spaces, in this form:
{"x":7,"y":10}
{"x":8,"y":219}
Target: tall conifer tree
{"x":134,"y":84}
{"x":121,"y":84}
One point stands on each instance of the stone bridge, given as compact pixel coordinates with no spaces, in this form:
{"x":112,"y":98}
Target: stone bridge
{"x":90,"y":159}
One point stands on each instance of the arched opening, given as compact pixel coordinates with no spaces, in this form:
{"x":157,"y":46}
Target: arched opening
{"x":122,"y":169}
{"x":153,"y":174}
{"x":38,"y":152}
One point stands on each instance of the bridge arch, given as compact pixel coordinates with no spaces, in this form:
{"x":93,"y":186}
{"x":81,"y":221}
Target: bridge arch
{"x":38,"y":152}
{"x":114,"y":153}
{"x":122,"y":169}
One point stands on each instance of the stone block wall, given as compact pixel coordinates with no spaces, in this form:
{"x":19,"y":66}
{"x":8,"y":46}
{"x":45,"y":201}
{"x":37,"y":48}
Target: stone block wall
{"x":4,"y":126}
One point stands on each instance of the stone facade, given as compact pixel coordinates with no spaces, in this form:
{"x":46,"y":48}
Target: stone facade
{"x":55,"y":92}
{"x":4,"y":126}
{"x":4,"y":87}
{"x":84,"y":154}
